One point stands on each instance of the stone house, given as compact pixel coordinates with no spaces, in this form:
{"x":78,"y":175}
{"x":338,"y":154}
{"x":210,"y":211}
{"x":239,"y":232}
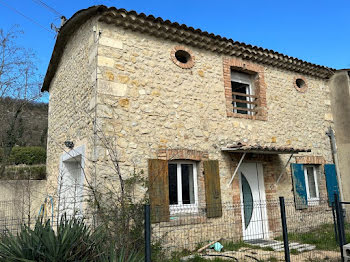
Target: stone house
{"x":209,"y":120}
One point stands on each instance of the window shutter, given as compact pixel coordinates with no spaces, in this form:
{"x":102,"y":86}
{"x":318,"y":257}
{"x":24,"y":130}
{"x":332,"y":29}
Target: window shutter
{"x":299,"y":186}
{"x":158,"y":190}
{"x":331,"y":181}
{"x":212,"y":188}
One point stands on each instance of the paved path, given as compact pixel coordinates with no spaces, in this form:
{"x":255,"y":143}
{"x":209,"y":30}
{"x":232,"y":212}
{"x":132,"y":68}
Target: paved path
{"x":278,"y":245}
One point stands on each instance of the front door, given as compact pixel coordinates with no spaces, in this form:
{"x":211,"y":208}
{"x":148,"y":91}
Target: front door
{"x":253,"y":202}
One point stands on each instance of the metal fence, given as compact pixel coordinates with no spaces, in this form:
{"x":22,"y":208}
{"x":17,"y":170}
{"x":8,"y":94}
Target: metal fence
{"x":249,"y":232}
{"x":256,"y":231}
{"x":342,"y":222}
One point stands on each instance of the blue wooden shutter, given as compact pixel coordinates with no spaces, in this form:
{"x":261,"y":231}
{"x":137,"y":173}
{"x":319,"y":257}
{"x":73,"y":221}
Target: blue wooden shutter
{"x":332,"y":182}
{"x":300,"y":195}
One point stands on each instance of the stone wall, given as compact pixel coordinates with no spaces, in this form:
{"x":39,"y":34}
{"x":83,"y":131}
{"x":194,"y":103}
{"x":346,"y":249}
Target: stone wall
{"x":340,"y":93}
{"x":72,"y":103}
{"x":20,"y":200}
{"x":152,"y":104}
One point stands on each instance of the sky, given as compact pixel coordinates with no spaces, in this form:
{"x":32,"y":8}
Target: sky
{"x":313,"y":30}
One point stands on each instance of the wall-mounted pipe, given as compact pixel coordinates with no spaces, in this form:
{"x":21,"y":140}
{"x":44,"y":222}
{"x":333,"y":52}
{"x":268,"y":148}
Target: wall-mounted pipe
{"x":331,"y":136}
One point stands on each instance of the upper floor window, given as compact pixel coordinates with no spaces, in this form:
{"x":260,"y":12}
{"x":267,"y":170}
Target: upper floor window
{"x":183,"y":186}
{"x":245,"y":89}
{"x":243,"y":98}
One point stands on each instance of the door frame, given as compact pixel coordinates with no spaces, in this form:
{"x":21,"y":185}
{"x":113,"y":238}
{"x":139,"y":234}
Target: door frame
{"x":262,"y":193}
{"x":74,"y":155}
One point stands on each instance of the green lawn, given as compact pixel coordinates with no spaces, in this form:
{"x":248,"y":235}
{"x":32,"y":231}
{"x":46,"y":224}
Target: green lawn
{"x":323,"y":237}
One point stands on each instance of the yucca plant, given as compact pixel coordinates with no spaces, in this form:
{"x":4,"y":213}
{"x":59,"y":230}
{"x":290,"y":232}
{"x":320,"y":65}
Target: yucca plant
{"x":72,"y":241}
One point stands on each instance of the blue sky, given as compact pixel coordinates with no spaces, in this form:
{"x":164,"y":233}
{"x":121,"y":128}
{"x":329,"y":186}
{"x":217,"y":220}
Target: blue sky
{"x":315,"y":31}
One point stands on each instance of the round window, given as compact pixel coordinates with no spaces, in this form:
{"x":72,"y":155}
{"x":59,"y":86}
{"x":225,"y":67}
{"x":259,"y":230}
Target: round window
{"x":300,"y":84}
{"x":182,"y":57}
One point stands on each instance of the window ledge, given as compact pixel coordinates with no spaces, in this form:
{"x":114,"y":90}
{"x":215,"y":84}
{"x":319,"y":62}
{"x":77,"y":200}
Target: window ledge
{"x":253,"y":117}
{"x":313,"y":201}
{"x":185,"y":219}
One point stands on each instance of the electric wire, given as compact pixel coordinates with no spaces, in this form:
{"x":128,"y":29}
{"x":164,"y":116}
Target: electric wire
{"x":27,"y":17}
{"x":51,"y":9}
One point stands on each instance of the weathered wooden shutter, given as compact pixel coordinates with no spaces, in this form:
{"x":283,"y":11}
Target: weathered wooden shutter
{"x":300,"y":195}
{"x":158,"y":189}
{"x":331,"y":181}
{"x":212,"y":188}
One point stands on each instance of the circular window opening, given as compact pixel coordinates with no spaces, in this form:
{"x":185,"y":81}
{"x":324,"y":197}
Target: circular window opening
{"x":300,"y":83}
{"x":182,"y":56}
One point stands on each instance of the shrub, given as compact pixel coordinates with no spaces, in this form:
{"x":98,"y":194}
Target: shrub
{"x":27,"y":155}
{"x":37,"y":172}
{"x":72,"y":241}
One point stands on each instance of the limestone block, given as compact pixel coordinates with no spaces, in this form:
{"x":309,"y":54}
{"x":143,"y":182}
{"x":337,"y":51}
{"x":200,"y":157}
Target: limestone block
{"x":111,"y":42}
{"x":328,"y":117}
{"x":105,"y":61}
{"x":111,"y":88}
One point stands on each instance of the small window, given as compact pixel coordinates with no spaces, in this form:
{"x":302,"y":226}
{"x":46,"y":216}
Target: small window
{"x":300,"y":84}
{"x":311,"y":183}
{"x":243,"y":98}
{"x":182,"y":57}
{"x":183,"y":186}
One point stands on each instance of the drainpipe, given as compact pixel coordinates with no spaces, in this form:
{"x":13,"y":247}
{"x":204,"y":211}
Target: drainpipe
{"x":331,"y":136}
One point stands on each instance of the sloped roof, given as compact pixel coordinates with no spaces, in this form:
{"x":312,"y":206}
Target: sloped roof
{"x":266,"y":149}
{"x":184,"y":34}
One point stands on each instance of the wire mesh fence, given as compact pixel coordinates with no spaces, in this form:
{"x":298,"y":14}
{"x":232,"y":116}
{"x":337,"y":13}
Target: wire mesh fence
{"x":240,"y":232}
{"x":248,"y":232}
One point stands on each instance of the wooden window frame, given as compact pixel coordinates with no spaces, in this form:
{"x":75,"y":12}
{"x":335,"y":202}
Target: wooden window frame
{"x":180,"y":207}
{"x":239,"y":65}
{"x":312,"y":201}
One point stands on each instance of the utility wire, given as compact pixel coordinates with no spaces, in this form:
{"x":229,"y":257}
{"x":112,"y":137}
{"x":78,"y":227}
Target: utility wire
{"x":51,"y":9}
{"x":30,"y":19}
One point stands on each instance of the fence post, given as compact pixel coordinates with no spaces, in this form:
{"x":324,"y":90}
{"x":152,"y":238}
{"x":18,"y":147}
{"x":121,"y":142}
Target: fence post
{"x":147,"y":233}
{"x":335,"y":223}
{"x":340,"y":224}
{"x":284,"y":230}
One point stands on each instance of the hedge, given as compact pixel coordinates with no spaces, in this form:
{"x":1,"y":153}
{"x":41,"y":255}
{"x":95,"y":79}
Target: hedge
{"x":24,"y":172}
{"x":30,"y":155}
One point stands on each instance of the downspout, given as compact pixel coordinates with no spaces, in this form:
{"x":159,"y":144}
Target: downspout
{"x":331,"y":136}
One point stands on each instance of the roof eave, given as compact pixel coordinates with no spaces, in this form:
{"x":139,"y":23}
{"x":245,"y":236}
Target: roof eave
{"x":173,"y":31}
{"x":66,"y":31}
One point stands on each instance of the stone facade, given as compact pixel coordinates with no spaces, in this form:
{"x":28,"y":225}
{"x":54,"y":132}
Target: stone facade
{"x":71,"y":107}
{"x":125,"y":85}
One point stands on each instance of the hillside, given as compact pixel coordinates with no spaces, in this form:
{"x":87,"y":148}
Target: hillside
{"x":31,"y":125}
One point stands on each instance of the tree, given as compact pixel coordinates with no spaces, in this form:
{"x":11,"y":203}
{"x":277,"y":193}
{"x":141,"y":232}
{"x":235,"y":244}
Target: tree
{"x":19,"y":85}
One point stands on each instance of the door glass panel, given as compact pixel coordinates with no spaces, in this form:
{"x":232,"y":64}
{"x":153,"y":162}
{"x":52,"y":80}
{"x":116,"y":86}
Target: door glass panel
{"x":173,"y":184}
{"x":187,"y":184}
{"x":248,"y":204}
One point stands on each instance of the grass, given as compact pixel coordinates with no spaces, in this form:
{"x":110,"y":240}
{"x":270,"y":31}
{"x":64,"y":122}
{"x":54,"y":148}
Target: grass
{"x":322,"y":237}
{"x":235,"y":246}
{"x":270,"y":259}
{"x":196,"y":258}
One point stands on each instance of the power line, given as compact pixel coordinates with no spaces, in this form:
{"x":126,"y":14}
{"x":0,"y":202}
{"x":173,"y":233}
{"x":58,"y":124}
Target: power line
{"x":51,"y":9}
{"x":30,"y":19}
